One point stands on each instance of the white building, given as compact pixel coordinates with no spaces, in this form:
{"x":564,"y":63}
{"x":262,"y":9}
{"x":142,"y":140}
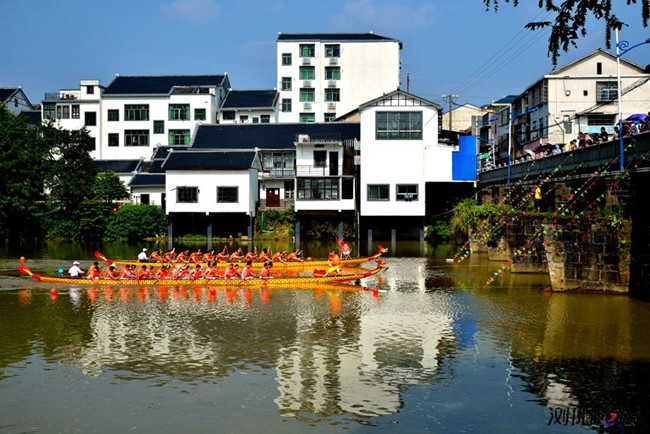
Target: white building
{"x":15,"y":100}
{"x":323,"y":75}
{"x":134,"y":114}
{"x":249,"y":106}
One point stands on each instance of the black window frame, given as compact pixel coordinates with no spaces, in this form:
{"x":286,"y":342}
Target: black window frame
{"x":286,"y":59}
{"x":90,"y":119}
{"x":374,"y":192}
{"x":136,"y":112}
{"x":187,"y":194}
{"x":198,"y":116}
{"x":129,"y":135}
{"x":407,"y":196}
{"x":398,"y":125}
{"x":227,"y":194}
{"x":113,"y":140}
{"x":113,"y":115}
{"x":159,"y":127}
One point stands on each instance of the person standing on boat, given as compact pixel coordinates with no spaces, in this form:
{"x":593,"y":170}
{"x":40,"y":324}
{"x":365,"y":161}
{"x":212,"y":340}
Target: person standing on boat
{"x":75,"y":272}
{"x":142,"y":257}
{"x":345,"y":250}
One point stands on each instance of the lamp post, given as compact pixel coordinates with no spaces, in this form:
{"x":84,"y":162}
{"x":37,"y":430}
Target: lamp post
{"x":622,"y":47}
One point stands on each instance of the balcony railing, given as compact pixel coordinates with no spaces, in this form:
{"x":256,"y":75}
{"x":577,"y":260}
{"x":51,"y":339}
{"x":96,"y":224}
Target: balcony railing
{"x":311,"y":170}
{"x":278,"y":173}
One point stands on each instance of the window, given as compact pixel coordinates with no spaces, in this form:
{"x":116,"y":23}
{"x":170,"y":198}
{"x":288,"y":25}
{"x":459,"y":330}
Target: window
{"x":199,"y":114}
{"x":307,"y":73}
{"x":228,"y":115}
{"x":136,"y":138}
{"x":289,"y":189}
{"x":398,"y":125}
{"x":49,"y":110}
{"x":407,"y":192}
{"x":159,"y":127}
{"x":113,"y":140}
{"x":329,"y":117}
{"x":307,"y":117}
{"x":179,"y":137}
{"x":320,"y":158}
{"x":600,"y":120}
{"x":332,"y":73}
{"x":136,"y":112}
{"x":63,"y":112}
{"x":113,"y":115}
{"x":187,"y":194}
{"x":332,"y":50}
{"x":90,"y":119}
{"x":243,"y":118}
{"x":286,"y":105}
{"x":265,"y":119}
{"x":307,"y":50}
{"x":332,"y":95}
{"x":599,"y":68}
{"x":144,"y":199}
{"x":567,"y":124}
{"x":179,"y":112}
{"x":606,"y":91}
{"x":318,"y":189}
{"x":75,"y":111}
{"x":90,"y":90}
{"x":286,"y":59}
{"x":307,"y":94}
{"x":286,"y":83}
{"x":378,"y":192}
{"x":256,"y":120}
{"x":227,"y":194}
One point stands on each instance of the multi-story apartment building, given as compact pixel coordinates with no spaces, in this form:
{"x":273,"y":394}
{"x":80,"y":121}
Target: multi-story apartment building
{"x":324,"y":75}
{"x":134,"y":114}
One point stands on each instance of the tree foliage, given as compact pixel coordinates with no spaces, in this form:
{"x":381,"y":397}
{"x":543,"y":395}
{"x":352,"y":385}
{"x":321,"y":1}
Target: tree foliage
{"x":134,"y":222}
{"x":23,"y":170}
{"x":571,"y":18}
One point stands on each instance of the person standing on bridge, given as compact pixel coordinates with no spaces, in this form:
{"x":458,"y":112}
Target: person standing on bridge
{"x":538,"y":198}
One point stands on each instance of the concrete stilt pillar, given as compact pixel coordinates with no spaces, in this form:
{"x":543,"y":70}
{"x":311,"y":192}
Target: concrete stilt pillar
{"x":170,"y":232}
{"x":340,"y":229}
{"x":209,"y":233}
{"x":250,"y":227}
{"x":422,"y":240}
{"x":370,"y":242}
{"x":393,"y":241}
{"x":297,"y":231}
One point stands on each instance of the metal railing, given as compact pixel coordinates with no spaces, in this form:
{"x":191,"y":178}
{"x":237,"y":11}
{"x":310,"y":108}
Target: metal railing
{"x":278,"y":173}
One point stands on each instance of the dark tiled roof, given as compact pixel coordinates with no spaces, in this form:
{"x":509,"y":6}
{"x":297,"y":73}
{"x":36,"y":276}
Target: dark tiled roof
{"x":332,"y":37}
{"x":270,"y":136}
{"x":33,"y":116}
{"x":159,"y":84}
{"x":6,"y":93}
{"x":117,"y":166}
{"x":148,"y":180}
{"x":250,"y":99}
{"x":208,"y":160}
{"x":160,"y":153}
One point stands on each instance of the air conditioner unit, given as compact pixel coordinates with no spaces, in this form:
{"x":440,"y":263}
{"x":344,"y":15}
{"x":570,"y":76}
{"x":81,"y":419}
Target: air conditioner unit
{"x":306,"y":83}
{"x":331,"y":106}
{"x":334,"y":60}
{"x":307,"y":106}
{"x":303,"y":138}
{"x":331,"y":83}
{"x":306,"y":60}
{"x":357,"y":160}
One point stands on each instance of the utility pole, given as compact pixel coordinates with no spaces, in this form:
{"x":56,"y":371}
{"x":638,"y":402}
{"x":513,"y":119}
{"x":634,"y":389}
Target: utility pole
{"x":450,"y":100}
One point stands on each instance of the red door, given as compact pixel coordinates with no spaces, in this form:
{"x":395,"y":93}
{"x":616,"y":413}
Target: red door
{"x":272,"y":197}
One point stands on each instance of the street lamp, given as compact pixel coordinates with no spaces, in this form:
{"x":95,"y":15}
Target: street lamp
{"x":622,"y":48}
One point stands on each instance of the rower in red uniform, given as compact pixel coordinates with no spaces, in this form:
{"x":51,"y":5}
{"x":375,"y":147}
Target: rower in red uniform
{"x":207,"y":257}
{"x":197,"y":273}
{"x":345,"y":250}
{"x":265,"y":273}
{"x":162,"y":273}
{"x":247,"y":271}
{"x":126,"y":273}
{"x":250,"y":256}
{"x":155,"y":256}
{"x":279,"y":257}
{"x":222,"y":256}
{"x":335,"y":264}
{"x":195,"y":257}
{"x":264,"y":256}
{"x":231,"y":272}
{"x":169,"y":256}
{"x":237,"y":256}
{"x":295,"y":256}
{"x":182,"y":256}
{"x":110,"y":273}
{"x":212,"y":272}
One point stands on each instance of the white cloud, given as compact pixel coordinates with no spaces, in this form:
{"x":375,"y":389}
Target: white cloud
{"x":384,"y":15}
{"x":199,"y":12}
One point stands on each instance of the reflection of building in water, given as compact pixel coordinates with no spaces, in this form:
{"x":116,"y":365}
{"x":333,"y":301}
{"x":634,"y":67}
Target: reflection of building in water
{"x":359,"y":365}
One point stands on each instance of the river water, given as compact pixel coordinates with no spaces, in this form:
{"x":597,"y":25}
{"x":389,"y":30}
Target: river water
{"x":434,"y":351}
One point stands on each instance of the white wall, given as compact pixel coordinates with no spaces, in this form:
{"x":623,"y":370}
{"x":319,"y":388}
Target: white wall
{"x":368,"y":69}
{"x":207,"y":181}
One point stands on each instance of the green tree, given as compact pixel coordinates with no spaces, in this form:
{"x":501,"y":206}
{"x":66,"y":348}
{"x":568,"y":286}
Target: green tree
{"x":108,"y":188}
{"x":571,"y":18}
{"x":135,"y":222}
{"x":23,"y":164}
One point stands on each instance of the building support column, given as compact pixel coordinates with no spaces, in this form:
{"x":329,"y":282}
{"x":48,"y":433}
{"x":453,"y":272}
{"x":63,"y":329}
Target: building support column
{"x":209,"y":233}
{"x":422,"y":238}
{"x":170,"y":232}
{"x":250,"y":227}
{"x":393,"y":241}
{"x":370,"y":241}
{"x":297,"y":231}
{"x":341,"y":229}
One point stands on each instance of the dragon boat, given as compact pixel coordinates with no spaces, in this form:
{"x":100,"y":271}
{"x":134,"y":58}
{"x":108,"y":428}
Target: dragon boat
{"x":275,"y":281}
{"x":297,"y":264}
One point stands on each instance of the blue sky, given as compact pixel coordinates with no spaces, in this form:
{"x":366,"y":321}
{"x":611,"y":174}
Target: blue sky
{"x":449,"y":46}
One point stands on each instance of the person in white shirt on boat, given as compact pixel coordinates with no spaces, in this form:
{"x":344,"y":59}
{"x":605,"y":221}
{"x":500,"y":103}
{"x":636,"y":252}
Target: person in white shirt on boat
{"x":75,"y":272}
{"x":142,"y":257}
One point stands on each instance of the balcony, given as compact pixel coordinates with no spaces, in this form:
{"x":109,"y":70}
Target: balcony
{"x":278,"y":174}
{"x":311,"y":170}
